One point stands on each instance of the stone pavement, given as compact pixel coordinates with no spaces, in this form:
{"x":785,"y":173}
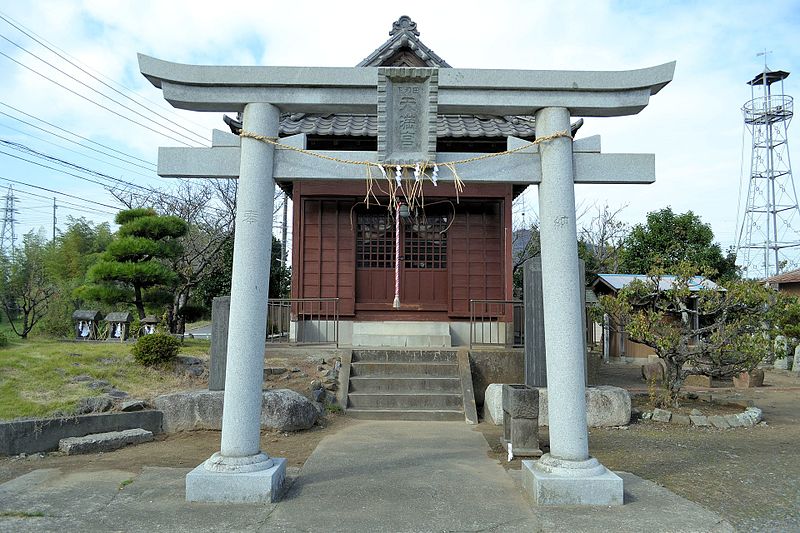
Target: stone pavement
{"x":370,"y":476}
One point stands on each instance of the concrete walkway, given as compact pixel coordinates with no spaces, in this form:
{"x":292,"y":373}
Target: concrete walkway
{"x":368,"y":477}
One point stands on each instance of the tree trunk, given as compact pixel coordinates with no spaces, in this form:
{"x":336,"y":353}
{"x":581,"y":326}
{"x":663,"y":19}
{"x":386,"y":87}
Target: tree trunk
{"x":138,"y":302}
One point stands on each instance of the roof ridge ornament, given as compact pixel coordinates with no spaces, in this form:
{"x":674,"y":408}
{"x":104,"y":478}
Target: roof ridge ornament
{"x":402,"y":24}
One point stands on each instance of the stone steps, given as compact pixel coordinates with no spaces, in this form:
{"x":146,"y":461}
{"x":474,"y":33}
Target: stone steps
{"x":405,"y":385}
{"x":402,"y":334}
{"x":400,"y":384}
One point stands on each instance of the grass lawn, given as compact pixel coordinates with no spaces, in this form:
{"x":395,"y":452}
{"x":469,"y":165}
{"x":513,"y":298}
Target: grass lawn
{"x":36,"y":375}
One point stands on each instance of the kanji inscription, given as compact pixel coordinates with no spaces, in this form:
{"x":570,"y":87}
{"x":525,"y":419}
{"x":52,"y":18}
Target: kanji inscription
{"x":407,"y":107}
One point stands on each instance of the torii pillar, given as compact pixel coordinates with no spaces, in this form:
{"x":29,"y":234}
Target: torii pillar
{"x":240,"y":472}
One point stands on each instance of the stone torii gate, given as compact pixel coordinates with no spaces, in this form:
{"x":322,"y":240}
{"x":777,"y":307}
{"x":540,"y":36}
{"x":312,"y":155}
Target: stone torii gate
{"x":240,"y":471}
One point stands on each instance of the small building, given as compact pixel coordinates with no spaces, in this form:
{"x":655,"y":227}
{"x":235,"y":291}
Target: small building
{"x":454,"y":246}
{"x":786,"y":282}
{"x":119,"y":325}
{"x":86,"y":323}
{"x":615,"y":341}
{"x":148,"y":325}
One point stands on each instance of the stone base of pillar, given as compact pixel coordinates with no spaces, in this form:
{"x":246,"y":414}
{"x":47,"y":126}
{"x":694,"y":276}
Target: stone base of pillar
{"x":260,"y":486}
{"x":552,"y":481}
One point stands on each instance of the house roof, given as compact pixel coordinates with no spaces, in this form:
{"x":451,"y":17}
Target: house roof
{"x":403,"y":48}
{"x":615,"y":282}
{"x":792,"y":276}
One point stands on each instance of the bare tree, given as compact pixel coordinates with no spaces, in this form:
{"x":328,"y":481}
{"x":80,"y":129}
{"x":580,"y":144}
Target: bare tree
{"x":602,"y":239}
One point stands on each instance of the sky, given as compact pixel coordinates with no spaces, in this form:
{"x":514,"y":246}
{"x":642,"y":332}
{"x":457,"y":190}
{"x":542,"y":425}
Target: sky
{"x":694,"y":125}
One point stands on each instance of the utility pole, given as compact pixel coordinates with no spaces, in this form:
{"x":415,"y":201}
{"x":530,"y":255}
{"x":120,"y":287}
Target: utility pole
{"x":54,"y":220}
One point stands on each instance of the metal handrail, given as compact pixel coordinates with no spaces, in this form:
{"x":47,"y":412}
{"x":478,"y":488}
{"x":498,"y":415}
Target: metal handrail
{"x":303,"y":321}
{"x":494,"y":323}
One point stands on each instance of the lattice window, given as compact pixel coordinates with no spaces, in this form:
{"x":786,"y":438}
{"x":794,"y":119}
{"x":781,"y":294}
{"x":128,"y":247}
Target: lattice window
{"x":425,"y":242}
{"x":374,"y":241}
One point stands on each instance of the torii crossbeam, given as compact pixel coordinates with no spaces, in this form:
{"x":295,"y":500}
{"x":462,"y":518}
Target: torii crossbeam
{"x":240,"y":471}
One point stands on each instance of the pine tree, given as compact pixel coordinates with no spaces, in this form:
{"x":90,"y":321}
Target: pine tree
{"x":131,"y":269}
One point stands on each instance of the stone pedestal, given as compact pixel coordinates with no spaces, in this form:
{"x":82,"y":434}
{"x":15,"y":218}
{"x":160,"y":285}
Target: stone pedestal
{"x":552,"y":481}
{"x":261,"y":486}
{"x":521,"y":421}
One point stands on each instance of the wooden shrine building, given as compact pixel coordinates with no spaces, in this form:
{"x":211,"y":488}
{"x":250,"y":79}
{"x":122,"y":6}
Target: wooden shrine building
{"x":454,"y":246}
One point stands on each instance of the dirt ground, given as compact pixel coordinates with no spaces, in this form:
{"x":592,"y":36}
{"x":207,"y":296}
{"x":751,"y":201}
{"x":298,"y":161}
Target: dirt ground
{"x":751,"y":476}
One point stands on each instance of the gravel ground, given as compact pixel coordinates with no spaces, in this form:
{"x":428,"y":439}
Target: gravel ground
{"x":750,"y":476}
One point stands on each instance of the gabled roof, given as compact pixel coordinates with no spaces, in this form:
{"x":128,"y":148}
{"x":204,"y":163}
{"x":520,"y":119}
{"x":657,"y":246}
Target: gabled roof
{"x":792,"y":276}
{"x":403,"y":48}
{"x":615,"y":282}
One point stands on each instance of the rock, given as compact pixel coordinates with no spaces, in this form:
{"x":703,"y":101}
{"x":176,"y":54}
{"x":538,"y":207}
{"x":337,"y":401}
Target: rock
{"x":132,"y":405}
{"x":188,"y":360}
{"x":331,"y":386}
{"x":190,"y":410}
{"x":117,"y":394}
{"x":661,"y":415}
{"x":647,"y":415}
{"x":696,"y":412}
{"x":681,"y":420}
{"x":699,"y":421}
{"x":606,"y":406}
{"x":287,"y":410}
{"x":752,"y":414}
{"x":696,"y":380}
{"x":316,"y":384}
{"x":318,"y":395}
{"x":733,"y":421}
{"x":281,"y":409}
{"x":796,"y":361}
{"x":107,"y":361}
{"x":275,"y":370}
{"x":719,"y":422}
{"x":295,"y":369}
{"x":493,"y":404}
{"x":104,"y":442}
{"x":746,"y":380}
{"x":99,"y":384}
{"x":81,"y":378}
{"x":654,"y":371}
{"x":94,"y":404}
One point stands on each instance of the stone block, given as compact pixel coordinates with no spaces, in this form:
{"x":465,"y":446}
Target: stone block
{"x":220,"y":314}
{"x":597,"y":486}
{"x":796,"y":361}
{"x":493,"y":404}
{"x":781,"y":364}
{"x":104,"y":442}
{"x":606,"y":406}
{"x":719,"y":422}
{"x":747,"y":380}
{"x":700,"y":421}
{"x":733,"y":421}
{"x":654,"y":371}
{"x":661,"y":415}
{"x":751,"y":416}
{"x":281,"y":409}
{"x":696,"y":380}
{"x":520,"y":401}
{"x":681,"y":420}
{"x":262,"y":486}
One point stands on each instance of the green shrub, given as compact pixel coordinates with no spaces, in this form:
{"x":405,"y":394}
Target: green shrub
{"x":3,"y":340}
{"x":155,"y":349}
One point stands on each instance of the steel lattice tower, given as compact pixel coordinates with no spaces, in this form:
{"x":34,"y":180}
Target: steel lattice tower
{"x":8,"y":235}
{"x":769,"y":241}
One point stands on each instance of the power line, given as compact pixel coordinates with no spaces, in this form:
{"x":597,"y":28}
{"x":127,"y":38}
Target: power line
{"x":77,"y":64}
{"x":98,"y":104}
{"x":64,"y":202}
{"x":134,"y":111}
{"x":76,"y":151}
{"x":71,"y":133}
{"x":56,"y":192}
{"x":57,"y":161}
